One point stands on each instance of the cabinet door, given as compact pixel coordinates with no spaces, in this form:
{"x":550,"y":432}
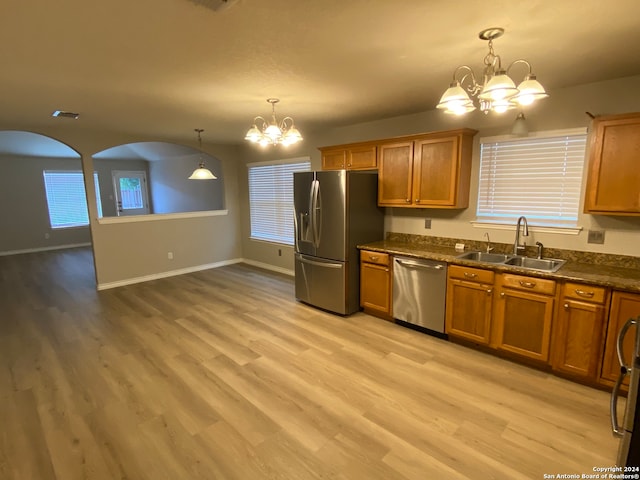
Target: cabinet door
{"x":395,"y":169}
{"x":362,"y":158}
{"x":522,"y":323}
{"x":375,"y":288}
{"x":435,"y":176}
{"x":578,"y":335}
{"x":613,"y":179}
{"x":468,"y":313}
{"x":623,"y":307}
{"x":334,"y":159}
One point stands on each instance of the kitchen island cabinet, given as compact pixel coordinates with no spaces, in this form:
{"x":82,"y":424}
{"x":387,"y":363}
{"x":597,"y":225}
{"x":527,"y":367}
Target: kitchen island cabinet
{"x":523,"y":316}
{"x":613,"y":177}
{"x":426,"y":171}
{"x":375,"y":284}
{"x":469,"y":303}
{"x":579,"y":330}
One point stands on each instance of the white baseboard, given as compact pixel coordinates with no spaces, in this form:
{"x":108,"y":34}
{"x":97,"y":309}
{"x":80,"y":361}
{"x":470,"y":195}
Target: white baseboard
{"x":44,"y":249}
{"x":267,"y":266}
{"x":170,"y":273}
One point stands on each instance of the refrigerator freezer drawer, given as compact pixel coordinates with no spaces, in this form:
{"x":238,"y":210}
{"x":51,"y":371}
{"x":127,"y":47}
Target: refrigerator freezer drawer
{"x":322,"y":283}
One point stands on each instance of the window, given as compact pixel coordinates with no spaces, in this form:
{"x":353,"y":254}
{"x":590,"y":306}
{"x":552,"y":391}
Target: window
{"x":271,"y":199}
{"x":539,"y":177}
{"x":66,"y":198}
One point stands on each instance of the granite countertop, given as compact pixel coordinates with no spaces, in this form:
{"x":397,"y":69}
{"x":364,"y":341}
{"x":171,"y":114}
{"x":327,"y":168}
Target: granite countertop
{"x":621,"y":278}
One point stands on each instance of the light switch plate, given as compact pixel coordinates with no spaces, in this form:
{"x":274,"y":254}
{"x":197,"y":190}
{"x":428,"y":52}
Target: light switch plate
{"x":595,"y":236}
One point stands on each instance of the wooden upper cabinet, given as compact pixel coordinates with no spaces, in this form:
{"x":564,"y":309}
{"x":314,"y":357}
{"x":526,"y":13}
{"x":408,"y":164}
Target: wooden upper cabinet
{"x":350,"y":157}
{"x":613,"y":178}
{"x":395,"y":171}
{"x":426,"y":171}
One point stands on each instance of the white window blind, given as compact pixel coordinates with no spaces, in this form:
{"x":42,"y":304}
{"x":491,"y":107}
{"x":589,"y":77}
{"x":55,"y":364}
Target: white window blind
{"x":271,"y":200}
{"x":66,"y":198}
{"x":538,"y":177}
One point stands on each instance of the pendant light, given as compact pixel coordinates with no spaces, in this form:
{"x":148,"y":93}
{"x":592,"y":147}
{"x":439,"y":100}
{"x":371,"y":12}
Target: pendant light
{"x":273,"y":133}
{"x":497,"y":92}
{"x":201,"y":173}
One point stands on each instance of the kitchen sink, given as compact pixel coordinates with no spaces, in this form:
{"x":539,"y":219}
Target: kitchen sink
{"x":485,"y":257}
{"x":543,"y":264}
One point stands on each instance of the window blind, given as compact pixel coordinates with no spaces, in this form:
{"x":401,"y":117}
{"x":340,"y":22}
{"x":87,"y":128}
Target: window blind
{"x":66,"y":198}
{"x":271,"y":200}
{"x":538,"y":177}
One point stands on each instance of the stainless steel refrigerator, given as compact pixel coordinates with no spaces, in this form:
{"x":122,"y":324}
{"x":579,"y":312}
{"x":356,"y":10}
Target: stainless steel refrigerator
{"x":334,"y":212}
{"x":629,"y":430}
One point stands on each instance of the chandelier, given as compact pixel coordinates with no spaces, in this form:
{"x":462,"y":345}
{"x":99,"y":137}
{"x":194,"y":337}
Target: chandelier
{"x":274,"y":133}
{"x":497,"y":92}
{"x":201,"y":173}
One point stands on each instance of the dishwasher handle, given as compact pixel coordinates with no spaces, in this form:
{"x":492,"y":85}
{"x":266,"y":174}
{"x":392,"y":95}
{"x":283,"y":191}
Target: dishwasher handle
{"x":409,"y":263}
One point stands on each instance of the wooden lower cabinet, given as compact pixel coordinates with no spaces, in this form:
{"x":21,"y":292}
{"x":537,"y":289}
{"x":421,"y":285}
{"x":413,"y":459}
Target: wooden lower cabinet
{"x":623,"y":307}
{"x":579,"y":330}
{"x":523,"y":315}
{"x":469,"y":303}
{"x":375,"y":283}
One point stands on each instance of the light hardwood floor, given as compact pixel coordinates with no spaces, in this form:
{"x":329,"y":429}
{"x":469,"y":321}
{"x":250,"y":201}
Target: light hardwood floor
{"x":221,"y":374}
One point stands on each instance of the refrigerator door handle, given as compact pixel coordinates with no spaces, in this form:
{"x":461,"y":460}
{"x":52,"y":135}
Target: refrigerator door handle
{"x":615,"y":426}
{"x":304,"y":259}
{"x":623,"y":332}
{"x":315,"y":212}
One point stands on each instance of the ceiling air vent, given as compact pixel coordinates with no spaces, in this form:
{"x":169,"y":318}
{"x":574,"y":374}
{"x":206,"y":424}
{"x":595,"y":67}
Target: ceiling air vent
{"x":215,"y":5}
{"x":63,"y":114}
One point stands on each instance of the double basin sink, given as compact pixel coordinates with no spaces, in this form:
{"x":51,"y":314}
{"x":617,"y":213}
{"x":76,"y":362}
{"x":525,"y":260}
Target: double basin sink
{"x":539,"y":264}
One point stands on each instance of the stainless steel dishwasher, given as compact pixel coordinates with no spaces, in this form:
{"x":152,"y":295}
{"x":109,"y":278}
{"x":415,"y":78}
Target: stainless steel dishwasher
{"x":419,"y":292}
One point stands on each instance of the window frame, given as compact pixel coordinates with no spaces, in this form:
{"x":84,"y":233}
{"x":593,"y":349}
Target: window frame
{"x":80,"y":175}
{"x":541,"y":226}
{"x":259,"y":234}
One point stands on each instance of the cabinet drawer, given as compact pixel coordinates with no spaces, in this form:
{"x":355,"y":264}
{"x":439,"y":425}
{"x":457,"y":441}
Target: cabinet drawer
{"x":471,"y":274}
{"x":529,"y":284}
{"x":586,"y":293}
{"x":374,"y":257}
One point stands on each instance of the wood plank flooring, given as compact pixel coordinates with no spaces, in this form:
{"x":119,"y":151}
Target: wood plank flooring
{"x":221,"y":374}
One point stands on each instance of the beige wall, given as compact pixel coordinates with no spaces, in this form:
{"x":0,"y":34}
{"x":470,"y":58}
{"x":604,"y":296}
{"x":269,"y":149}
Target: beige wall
{"x":564,"y":109}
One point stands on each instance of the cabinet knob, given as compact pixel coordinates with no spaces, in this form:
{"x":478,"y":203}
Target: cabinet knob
{"x":374,"y":258}
{"x":408,"y":200}
{"x":417,"y":200}
{"x":502,"y":294}
{"x":489,"y":291}
{"x":566,"y":306}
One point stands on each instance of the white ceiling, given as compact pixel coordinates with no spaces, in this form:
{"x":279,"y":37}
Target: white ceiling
{"x":161,"y":68}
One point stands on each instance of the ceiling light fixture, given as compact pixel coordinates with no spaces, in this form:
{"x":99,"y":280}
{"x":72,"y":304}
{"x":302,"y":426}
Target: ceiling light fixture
{"x":201,"y":173}
{"x":498,"y":92}
{"x":273,"y":133}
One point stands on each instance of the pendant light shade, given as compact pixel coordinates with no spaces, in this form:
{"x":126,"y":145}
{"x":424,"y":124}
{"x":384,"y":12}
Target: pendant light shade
{"x":202,"y":172}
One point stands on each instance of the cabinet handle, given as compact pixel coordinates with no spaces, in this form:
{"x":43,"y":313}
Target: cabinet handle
{"x":417,"y":200}
{"x":566,"y":306}
{"x":583,"y":293}
{"x":527,"y":284}
{"x":470,"y":275}
{"x":408,"y":200}
{"x":374,"y":258}
{"x":502,"y":294}
{"x":489,"y":291}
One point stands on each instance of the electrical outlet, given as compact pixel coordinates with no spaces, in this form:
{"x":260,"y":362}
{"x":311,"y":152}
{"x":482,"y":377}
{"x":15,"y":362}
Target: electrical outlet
{"x":170,"y":255}
{"x":595,"y":236}
{"x":279,"y":252}
{"x":427,"y":223}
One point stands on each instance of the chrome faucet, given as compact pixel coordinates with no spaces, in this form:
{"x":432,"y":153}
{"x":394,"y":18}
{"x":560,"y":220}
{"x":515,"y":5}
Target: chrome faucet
{"x":489,"y":247}
{"x":525,"y":232}
{"x":540,"y":247}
